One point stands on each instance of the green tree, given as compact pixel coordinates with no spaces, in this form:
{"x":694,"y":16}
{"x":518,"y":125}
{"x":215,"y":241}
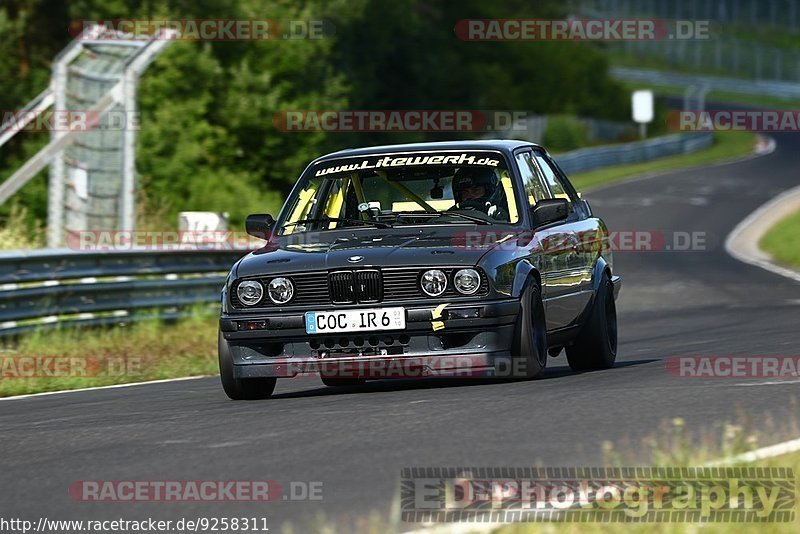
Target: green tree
{"x":208,"y":139}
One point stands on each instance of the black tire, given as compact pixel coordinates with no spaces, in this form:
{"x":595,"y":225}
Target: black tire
{"x":529,"y":350}
{"x":596,"y":344}
{"x":342,"y":382}
{"x":241,"y":388}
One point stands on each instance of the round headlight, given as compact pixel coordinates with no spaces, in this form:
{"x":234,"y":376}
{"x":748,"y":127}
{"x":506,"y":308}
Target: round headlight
{"x":467,"y":281}
{"x":280,"y":290}
{"x":250,"y":292}
{"x":433,"y":282}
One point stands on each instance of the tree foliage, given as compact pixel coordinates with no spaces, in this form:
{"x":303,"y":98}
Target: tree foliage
{"x":208,"y":141}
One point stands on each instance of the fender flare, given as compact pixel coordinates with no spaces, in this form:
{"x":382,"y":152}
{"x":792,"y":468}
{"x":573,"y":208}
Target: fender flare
{"x":523,"y":272}
{"x":601,"y":267}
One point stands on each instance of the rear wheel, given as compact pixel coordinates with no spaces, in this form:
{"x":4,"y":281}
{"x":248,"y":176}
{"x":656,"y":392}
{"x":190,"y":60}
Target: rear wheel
{"x":241,"y":388}
{"x":529,"y":350}
{"x":596,"y":345}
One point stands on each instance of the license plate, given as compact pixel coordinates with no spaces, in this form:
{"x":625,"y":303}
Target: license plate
{"x":324,"y":322}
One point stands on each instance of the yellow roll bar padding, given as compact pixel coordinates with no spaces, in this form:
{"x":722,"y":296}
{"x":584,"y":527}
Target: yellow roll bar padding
{"x":303,"y":202}
{"x":334,"y":206}
{"x":508,"y":187}
{"x":412,"y":195}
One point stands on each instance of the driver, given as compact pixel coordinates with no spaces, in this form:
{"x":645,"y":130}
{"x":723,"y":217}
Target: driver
{"x":476,"y":188}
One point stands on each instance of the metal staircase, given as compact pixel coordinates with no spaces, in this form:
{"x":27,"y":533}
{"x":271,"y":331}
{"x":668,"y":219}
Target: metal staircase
{"x":92,"y":178}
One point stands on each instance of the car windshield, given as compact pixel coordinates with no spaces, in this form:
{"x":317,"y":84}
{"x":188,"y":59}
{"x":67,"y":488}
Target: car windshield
{"x":381,"y":191}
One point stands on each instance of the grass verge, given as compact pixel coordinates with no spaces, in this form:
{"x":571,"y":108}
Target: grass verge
{"x":782,"y":241}
{"x":79,"y":358}
{"x":727,"y":145}
{"x":18,"y":232}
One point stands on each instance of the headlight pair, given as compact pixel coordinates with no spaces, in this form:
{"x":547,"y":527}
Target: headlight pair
{"x":434,"y":282}
{"x":279,"y":290}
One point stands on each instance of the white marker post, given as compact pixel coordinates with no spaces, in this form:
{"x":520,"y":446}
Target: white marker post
{"x":642,"y":106}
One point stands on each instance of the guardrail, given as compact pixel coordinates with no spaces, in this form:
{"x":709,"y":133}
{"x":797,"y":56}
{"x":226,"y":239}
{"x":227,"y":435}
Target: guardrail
{"x":68,"y":288}
{"x":585,"y":159}
{"x":775,"y":88}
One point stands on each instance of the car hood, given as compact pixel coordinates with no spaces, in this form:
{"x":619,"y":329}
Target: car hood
{"x":454,"y":246}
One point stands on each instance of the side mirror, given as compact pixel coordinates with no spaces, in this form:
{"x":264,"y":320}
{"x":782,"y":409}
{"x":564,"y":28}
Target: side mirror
{"x":259,"y":225}
{"x":549,"y":211}
{"x":586,"y":207}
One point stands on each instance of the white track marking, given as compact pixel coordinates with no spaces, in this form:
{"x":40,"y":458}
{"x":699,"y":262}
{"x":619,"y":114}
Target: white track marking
{"x":768,"y":383}
{"x":96,"y":388}
{"x":779,"y":449}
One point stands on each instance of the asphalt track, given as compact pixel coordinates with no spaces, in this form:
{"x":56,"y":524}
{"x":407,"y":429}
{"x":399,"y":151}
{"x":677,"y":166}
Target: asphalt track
{"x":355,"y":441}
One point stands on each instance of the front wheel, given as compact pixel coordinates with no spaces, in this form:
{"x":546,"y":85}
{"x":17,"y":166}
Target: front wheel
{"x":241,"y":388}
{"x":596,"y":345}
{"x":529,"y":350}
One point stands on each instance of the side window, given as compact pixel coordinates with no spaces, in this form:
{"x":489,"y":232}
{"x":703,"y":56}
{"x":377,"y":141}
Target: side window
{"x":535,"y":189}
{"x":553,"y":180}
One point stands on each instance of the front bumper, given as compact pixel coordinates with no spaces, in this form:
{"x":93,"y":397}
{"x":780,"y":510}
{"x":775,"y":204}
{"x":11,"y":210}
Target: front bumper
{"x":453,"y":339}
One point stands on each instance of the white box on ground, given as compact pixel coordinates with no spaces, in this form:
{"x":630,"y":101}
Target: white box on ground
{"x":202,"y":221}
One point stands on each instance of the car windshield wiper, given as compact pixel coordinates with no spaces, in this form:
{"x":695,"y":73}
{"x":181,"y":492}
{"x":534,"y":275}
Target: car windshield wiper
{"x":438,"y":214}
{"x":376,"y":224}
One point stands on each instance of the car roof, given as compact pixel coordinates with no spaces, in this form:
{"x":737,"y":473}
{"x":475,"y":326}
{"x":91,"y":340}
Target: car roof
{"x":504,"y":145}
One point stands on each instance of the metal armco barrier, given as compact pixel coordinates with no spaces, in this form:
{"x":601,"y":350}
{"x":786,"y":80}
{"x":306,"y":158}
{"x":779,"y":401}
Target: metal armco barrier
{"x":776,"y":88}
{"x":586,"y":159}
{"x":67,"y":288}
